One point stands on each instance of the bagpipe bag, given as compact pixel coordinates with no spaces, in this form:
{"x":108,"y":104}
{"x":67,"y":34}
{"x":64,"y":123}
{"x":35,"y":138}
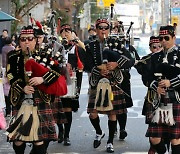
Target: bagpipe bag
{"x":58,"y":88}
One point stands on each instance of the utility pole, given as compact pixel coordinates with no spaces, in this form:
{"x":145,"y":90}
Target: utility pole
{"x":89,"y":13}
{"x":165,"y":12}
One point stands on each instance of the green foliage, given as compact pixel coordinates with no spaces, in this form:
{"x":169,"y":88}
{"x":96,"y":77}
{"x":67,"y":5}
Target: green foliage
{"x":98,"y":12}
{"x":63,"y":15}
{"x":20,"y":9}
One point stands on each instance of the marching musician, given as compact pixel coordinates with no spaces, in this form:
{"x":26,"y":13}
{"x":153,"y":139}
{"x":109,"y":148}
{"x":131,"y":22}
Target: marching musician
{"x":75,"y":57}
{"x":143,"y":66}
{"x":163,"y":80}
{"x":32,"y":115}
{"x":104,"y":62}
{"x":40,"y":37}
{"x":118,"y":29}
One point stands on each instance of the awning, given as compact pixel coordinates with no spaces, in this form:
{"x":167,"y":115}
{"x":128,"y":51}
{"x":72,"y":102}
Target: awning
{"x":6,"y":17}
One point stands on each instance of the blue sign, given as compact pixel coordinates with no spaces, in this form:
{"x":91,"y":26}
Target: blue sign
{"x":154,"y":26}
{"x":175,"y":11}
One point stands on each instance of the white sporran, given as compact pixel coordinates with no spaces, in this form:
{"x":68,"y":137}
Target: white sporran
{"x":104,"y":96}
{"x":164,"y":115}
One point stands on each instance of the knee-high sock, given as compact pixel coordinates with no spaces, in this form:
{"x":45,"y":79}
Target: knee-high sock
{"x":39,"y":149}
{"x":160,"y":147}
{"x":96,"y":124}
{"x":67,"y":126}
{"x":46,"y":144}
{"x":112,"y":128}
{"x":19,"y":149}
{"x":60,"y":128}
{"x":175,"y":149}
{"x":122,"y":119}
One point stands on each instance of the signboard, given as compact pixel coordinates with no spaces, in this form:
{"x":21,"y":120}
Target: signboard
{"x":175,"y":3}
{"x":127,"y":10}
{"x":175,"y":11}
{"x":174,"y":19}
{"x":105,"y":3}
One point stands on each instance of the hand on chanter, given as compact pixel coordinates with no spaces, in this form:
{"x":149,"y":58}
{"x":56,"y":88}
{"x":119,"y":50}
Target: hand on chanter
{"x":111,"y":65}
{"x":161,"y":91}
{"x":36,"y":81}
{"x":164,"y":83}
{"x":104,"y":72}
{"x":28,"y":89}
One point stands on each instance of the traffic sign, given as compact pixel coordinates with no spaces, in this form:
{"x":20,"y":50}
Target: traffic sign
{"x":174,"y":19}
{"x":105,"y":3}
{"x":175,"y":3}
{"x":175,"y":11}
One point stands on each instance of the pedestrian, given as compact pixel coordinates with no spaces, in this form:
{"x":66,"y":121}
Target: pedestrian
{"x":5,"y":50}
{"x":14,"y":38}
{"x":163,"y":81}
{"x":33,"y":119}
{"x":74,"y":59}
{"x":106,"y":96}
{"x":2,"y":42}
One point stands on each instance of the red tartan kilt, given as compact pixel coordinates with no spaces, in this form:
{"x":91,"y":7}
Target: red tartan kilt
{"x":171,"y":132}
{"x":119,"y":103}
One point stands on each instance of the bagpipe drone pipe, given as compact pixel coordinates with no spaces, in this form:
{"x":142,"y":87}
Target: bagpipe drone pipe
{"x":170,"y":69}
{"x":114,"y":49}
{"x":41,"y":63}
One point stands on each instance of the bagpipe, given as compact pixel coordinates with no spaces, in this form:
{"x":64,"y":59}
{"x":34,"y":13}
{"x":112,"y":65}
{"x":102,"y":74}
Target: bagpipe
{"x":42,"y":62}
{"x":170,"y":69}
{"x":117,"y":44}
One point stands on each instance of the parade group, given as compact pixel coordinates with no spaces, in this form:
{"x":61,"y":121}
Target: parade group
{"x":42,"y":84}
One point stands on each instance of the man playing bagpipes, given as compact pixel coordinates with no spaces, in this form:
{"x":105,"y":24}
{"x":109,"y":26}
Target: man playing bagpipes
{"x":74,"y":55}
{"x":36,"y":82}
{"x":163,"y":79}
{"x":118,"y":30}
{"x":105,"y":58}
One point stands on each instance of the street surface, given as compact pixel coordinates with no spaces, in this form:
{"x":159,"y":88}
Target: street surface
{"x":82,"y":133}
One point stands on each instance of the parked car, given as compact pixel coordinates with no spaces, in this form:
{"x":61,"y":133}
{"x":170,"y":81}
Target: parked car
{"x":178,"y":40}
{"x":142,"y":46}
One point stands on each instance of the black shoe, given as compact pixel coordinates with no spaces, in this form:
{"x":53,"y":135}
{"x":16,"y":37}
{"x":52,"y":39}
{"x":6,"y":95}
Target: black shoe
{"x":67,"y":142}
{"x":97,"y":140}
{"x":122,"y":134}
{"x":109,"y":148}
{"x":60,"y":137}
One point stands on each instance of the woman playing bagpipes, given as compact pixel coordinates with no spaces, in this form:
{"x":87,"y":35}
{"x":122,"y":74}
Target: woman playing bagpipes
{"x":35,"y":83}
{"x":163,"y":80}
{"x":143,"y":67}
{"x":104,"y":61}
{"x":74,"y":54}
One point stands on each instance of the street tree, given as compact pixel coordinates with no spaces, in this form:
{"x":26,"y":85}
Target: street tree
{"x":22,"y":8}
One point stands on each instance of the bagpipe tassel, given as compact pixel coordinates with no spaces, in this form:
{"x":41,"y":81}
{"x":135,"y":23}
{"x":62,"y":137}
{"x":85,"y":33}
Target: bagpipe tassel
{"x":98,"y":104}
{"x":106,"y":99}
{"x":26,"y":127}
{"x":13,"y":126}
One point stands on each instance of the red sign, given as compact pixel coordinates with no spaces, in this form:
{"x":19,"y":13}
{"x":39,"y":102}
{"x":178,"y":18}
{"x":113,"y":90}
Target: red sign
{"x":175,"y":3}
